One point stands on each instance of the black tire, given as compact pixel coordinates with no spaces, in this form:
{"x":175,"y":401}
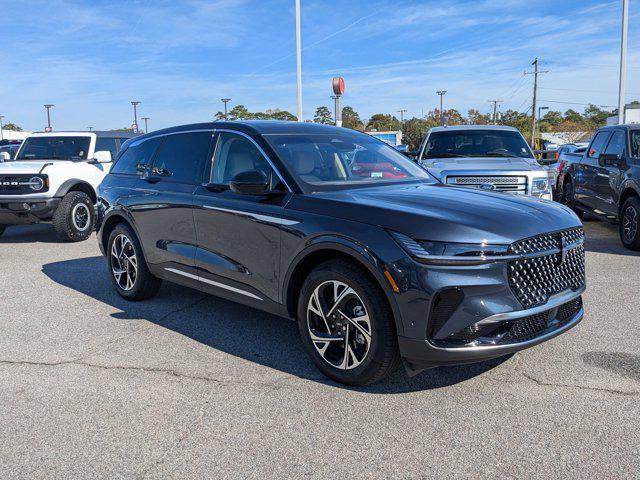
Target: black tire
{"x":144,"y":285}
{"x":74,"y":219}
{"x":382,"y":356}
{"x":2,"y":229}
{"x":630,"y":223}
{"x":569,"y":199}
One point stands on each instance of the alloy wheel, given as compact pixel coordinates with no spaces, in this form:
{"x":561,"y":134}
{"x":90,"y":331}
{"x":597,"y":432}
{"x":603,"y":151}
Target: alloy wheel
{"x":81,"y":217}
{"x":339,"y":325}
{"x":630,"y":223}
{"x":124,"y":262}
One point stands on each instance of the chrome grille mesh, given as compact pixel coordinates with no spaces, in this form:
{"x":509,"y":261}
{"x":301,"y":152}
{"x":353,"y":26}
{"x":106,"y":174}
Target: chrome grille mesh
{"x":493,"y":180}
{"x":533,"y":280}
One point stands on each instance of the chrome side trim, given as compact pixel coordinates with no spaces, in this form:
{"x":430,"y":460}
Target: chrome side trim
{"x":553,"y":302}
{"x":215,"y":284}
{"x":257,"y":216}
{"x":261,"y":151}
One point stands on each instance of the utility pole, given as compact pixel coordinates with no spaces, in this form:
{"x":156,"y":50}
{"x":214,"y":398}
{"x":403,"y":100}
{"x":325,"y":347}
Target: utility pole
{"x":535,"y":74}
{"x":135,"y":115}
{"x":225,"y":101}
{"x":402,"y":111}
{"x":49,"y":107}
{"x":299,"y":60}
{"x":495,"y":110}
{"x":146,"y":124}
{"x":441,"y":93}
{"x":1,"y":133}
{"x":623,"y":62}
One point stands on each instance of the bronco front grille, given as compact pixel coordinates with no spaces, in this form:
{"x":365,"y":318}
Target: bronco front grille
{"x":20,"y":184}
{"x":500,"y":183}
{"x":551,"y":264}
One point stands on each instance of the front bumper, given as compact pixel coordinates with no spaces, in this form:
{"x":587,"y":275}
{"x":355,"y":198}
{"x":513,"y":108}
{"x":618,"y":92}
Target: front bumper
{"x":27,"y":211}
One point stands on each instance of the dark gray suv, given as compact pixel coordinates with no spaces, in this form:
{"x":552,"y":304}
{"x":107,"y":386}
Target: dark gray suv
{"x":378,"y":262}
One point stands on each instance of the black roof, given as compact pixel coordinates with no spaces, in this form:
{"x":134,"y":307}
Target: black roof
{"x":626,"y":126}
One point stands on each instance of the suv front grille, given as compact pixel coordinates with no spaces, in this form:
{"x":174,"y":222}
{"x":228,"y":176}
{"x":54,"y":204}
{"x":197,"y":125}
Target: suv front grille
{"x":552,"y":263}
{"x":19,"y":184}
{"x":500,"y":183}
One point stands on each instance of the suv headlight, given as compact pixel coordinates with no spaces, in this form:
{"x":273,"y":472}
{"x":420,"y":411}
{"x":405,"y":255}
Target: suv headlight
{"x":540,"y":186}
{"x":443,"y":253}
{"x":36,"y":184}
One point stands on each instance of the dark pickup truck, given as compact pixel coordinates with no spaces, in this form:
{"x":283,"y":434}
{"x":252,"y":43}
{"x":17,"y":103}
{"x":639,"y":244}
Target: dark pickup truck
{"x":605,"y":181}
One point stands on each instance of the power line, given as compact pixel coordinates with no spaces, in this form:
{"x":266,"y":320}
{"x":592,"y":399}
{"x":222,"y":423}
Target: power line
{"x":576,"y":103}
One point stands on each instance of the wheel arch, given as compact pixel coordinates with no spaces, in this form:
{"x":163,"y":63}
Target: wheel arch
{"x":630,"y":190}
{"x":77,"y":185}
{"x":326,"y":249}
{"x":110,"y":221}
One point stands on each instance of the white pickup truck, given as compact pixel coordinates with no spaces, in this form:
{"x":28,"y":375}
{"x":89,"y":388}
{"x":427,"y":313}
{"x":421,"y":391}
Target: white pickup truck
{"x":54,"y":177}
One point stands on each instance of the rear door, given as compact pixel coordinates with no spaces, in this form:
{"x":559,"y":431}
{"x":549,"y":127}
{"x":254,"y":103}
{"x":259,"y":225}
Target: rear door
{"x":163,"y":212}
{"x":588,"y":169}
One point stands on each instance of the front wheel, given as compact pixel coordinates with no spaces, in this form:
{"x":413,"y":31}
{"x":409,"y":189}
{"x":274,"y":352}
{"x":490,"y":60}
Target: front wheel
{"x":629,"y":224}
{"x":569,"y":199}
{"x":74,"y":219}
{"x":346,"y":324}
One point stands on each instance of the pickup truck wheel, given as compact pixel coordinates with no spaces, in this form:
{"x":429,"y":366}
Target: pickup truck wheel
{"x":2,"y":229}
{"x":128,"y":268}
{"x":74,"y":219}
{"x":630,"y":224}
{"x":346,"y":325}
{"x":569,"y":199}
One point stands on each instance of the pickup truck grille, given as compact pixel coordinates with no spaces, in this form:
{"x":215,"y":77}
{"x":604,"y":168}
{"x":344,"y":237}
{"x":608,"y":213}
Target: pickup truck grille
{"x":551,"y":264}
{"x":20,"y":184}
{"x":504,"y":183}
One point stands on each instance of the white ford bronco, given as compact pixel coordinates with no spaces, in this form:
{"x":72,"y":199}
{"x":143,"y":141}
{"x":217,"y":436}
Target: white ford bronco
{"x":54,"y":177}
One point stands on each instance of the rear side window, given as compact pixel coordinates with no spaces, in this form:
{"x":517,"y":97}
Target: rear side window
{"x":108,"y":144}
{"x":617,"y":144}
{"x":635,"y":143}
{"x":182,"y":157}
{"x":597,"y":146}
{"x":136,"y":159}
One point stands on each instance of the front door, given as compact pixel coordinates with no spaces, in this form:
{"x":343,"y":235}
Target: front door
{"x":239,"y":235}
{"x":610,"y":177}
{"x":588,"y":169}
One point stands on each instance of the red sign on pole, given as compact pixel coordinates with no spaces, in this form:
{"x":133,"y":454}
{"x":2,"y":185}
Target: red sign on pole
{"x":338,"y":85}
{"x":48,"y":129}
{"x":134,"y":127}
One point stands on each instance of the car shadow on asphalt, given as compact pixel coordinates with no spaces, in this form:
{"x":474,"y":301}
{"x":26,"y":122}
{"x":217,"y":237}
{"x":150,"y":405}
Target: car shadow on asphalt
{"x":603,"y":237}
{"x":37,"y":233}
{"x":237,"y":330}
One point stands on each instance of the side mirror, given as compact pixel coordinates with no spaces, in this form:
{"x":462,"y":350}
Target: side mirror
{"x":5,"y":157}
{"x":102,"y":156}
{"x":609,"y":160}
{"x":251,"y":182}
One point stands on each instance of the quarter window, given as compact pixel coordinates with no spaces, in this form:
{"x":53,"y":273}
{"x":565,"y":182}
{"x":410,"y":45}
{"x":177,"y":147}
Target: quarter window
{"x":136,"y":159}
{"x":635,"y":143}
{"x":597,"y":146}
{"x":182,"y":157}
{"x":236,"y":154}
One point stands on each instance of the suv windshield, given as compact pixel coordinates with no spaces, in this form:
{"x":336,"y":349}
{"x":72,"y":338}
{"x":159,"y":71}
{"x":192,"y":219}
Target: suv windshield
{"x":55,"y":148}
{"x":476,"y":143}
{"x":343,"y":160}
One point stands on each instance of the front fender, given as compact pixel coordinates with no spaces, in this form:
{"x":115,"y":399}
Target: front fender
{"x":111,"y":213}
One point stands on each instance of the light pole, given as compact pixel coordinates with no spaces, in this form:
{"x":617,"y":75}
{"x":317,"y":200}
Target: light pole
{"x":299,"y":60}
{"x":135,"y":114}
{"x":225,"y":101}
{"x":1,"y":132}
{"x":402,"y":111}
{"x":623,"y":62}
{"x":441,"y":93}
{"x":146,"y":124}
{"x":49,"y":106}
{"x":90,"y":129}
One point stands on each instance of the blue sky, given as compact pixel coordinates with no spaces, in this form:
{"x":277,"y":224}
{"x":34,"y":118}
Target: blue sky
{"x":179,"y":57}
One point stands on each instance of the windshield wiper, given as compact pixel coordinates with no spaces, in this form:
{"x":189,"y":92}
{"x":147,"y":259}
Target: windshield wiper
{"x":445,"y":155}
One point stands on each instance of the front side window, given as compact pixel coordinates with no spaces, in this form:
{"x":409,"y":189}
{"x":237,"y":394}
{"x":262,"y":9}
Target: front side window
{"x":343,"y":160}
{"x":55,"y":148}
{"x":476,"y":143}
{"x":136,"y":159}
{"x":182,"y":157}
{"x":597,"y":146}
{"x":616,"y":144}
{"x":236,"y":154}
{"x":107,"y":144}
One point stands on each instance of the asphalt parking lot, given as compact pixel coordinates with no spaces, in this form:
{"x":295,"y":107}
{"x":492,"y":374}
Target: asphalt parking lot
{"x":191,"y":386}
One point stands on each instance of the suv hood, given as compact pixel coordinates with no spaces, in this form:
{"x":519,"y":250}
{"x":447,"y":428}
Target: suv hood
{"x":443,"y":167}
{"x":443,"y":213}
{"x":26,"y":166}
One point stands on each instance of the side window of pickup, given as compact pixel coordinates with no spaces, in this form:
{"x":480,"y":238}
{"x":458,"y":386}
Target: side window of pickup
{"x":617,"y":144}
{"x":635,"y":143}
{"x":598,"y":144}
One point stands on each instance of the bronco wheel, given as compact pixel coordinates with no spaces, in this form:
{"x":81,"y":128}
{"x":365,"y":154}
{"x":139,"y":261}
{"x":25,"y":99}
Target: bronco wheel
{"x":346,"y":324}
{"x":74,"y":219}
{"x":569,"y":199}
{"x":127,"y":266}
{"x":630,"y":224}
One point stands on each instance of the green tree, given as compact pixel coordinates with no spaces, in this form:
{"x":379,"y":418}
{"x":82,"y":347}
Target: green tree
{"x":573,"y":116}
{"x":125,"y":129}
{"x":282,"y":115}
{"x":323,"y":115}
{"x":414,"y":130}
{"x":240,"y":112}
{"x":11,"y":126}
{"x":383,"y":123}
{"x":596,"y":115}
{"x":351,"y":119}
{"x":474,"y":117}
{"x":219,"y":117}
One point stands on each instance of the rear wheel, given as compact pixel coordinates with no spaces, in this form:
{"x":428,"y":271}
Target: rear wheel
{"x":74,"y":219}
{"x":569,"y":199}
{"x":128,"y":268}
{"x":629,"y":224}
{"x":346,"y":324}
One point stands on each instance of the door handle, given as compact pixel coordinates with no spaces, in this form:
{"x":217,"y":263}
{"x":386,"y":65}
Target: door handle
{"x":152,"y":178}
